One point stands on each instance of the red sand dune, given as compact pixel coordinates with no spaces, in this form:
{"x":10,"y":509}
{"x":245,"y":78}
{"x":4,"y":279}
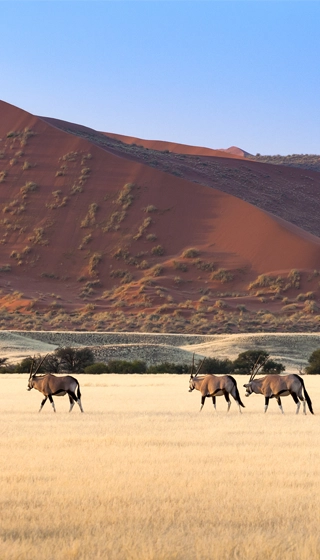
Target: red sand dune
{"x":49,"y":238}
{"x":178,"y":148}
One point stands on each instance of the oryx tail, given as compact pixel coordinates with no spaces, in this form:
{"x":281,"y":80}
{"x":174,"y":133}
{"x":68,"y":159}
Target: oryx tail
{"x":306,"y":396}
{"x":236,"y":394}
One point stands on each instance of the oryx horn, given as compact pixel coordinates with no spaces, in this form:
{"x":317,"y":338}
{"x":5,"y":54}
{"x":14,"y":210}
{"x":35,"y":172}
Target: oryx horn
{"x":192,"y":368}
{"x":257,"y":367}
{"x":200,"y":366}
{"x":31,"y":369}
{"x":39,"y":365}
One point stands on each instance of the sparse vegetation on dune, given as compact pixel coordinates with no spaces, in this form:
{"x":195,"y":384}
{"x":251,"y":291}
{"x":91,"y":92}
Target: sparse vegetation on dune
{"x":140,"y":468}
{"x":146,"y":258}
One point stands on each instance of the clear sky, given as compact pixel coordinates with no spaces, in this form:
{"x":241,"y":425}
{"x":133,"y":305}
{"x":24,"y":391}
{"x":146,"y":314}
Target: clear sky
{"x":207,"y":73}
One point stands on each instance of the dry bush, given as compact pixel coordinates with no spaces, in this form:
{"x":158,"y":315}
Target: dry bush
{"x":26,"y":165}
{"x":114,"y":221}
{"x":87,"y":239}
{"x":127,"y":278}
{"x":220,"y":304}
{"x":93,"y":263}
{"x":118,"y":273}
{"x":190,"y":253}
{"x":76,"y":188}
{"x":143,"y":265}
{"x":90,"y":217}
{"x":89,"y":288}
{"x":275,"y":283}
{"x":30,"y":186}
{"x":157,"y":250}
{"x":145,"y":224}
{"x":70,"y":156}
{"x":59,"y":200}
{"x":304,"y":297}
{"x":38,"y":237}
{"x":12,"y":134}
{"x":85,"y":157}
{"x":157,"y":270}
{"x":25,"y":135}
{"x":3,"y":175}
{"x":151,"y":237}
{"x":222,"y":275}
{"x":178,"y":265}
{"x":85,"y":171}
{"x":15,"y":207}
{"x":294,"y":278}
{"x":150,"y":208}
{"x":121,"y":253}
{"x":205,"y":266}
{"x":125,"y":197}
{"x":310,"y":307}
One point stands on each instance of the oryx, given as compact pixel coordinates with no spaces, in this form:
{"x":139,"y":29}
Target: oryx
{"x":214,"y":386}
{"x":50,"y":385}
{"x":276,"y":386}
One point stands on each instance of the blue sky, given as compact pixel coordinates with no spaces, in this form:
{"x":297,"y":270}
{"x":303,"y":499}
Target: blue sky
{"x":208,"y":73}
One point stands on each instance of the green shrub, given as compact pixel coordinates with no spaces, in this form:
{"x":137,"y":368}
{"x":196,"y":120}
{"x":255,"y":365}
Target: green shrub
{"x":98,"y":367}
{"x":169,"y":367}
{"x":123,"y":366}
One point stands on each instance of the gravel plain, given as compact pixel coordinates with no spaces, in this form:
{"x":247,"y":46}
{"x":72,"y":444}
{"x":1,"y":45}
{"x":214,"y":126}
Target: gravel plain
{"x":292,"y":349}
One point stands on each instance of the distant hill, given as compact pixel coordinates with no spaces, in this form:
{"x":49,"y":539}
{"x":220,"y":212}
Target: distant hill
{"x":303,"y":161}
{"x":99,"y":234}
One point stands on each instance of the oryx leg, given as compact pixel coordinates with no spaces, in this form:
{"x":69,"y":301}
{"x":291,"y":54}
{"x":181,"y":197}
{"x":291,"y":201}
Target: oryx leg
{"x":75,"y":398}
{"x":226,"y":396}
{"x":266,"y":403}
{"x":214,"y":402}
{"x":280,"y":405}
{"x":304,"y":404}
{"x":202,"y":402}
{"x":42,"y":403}
{"x":51,"y":400}
{"x":296,"y":400}
{"x":71,"y":402}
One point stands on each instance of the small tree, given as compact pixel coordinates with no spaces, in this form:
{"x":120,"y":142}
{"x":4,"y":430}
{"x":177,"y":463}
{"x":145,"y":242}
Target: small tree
{"x":215,"y":366}
{"x":257,"y":360}
{"x":273,"y":367}
{"x":74,"y":360}
{"x":52,"y":363}
{"x":314,"y":363}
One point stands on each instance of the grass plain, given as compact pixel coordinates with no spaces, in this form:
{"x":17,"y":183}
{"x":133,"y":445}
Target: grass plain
{"x":142,"y":475}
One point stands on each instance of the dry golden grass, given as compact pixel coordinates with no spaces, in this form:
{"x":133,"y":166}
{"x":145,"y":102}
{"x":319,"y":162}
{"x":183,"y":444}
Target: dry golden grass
{"x":142,"y":475}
